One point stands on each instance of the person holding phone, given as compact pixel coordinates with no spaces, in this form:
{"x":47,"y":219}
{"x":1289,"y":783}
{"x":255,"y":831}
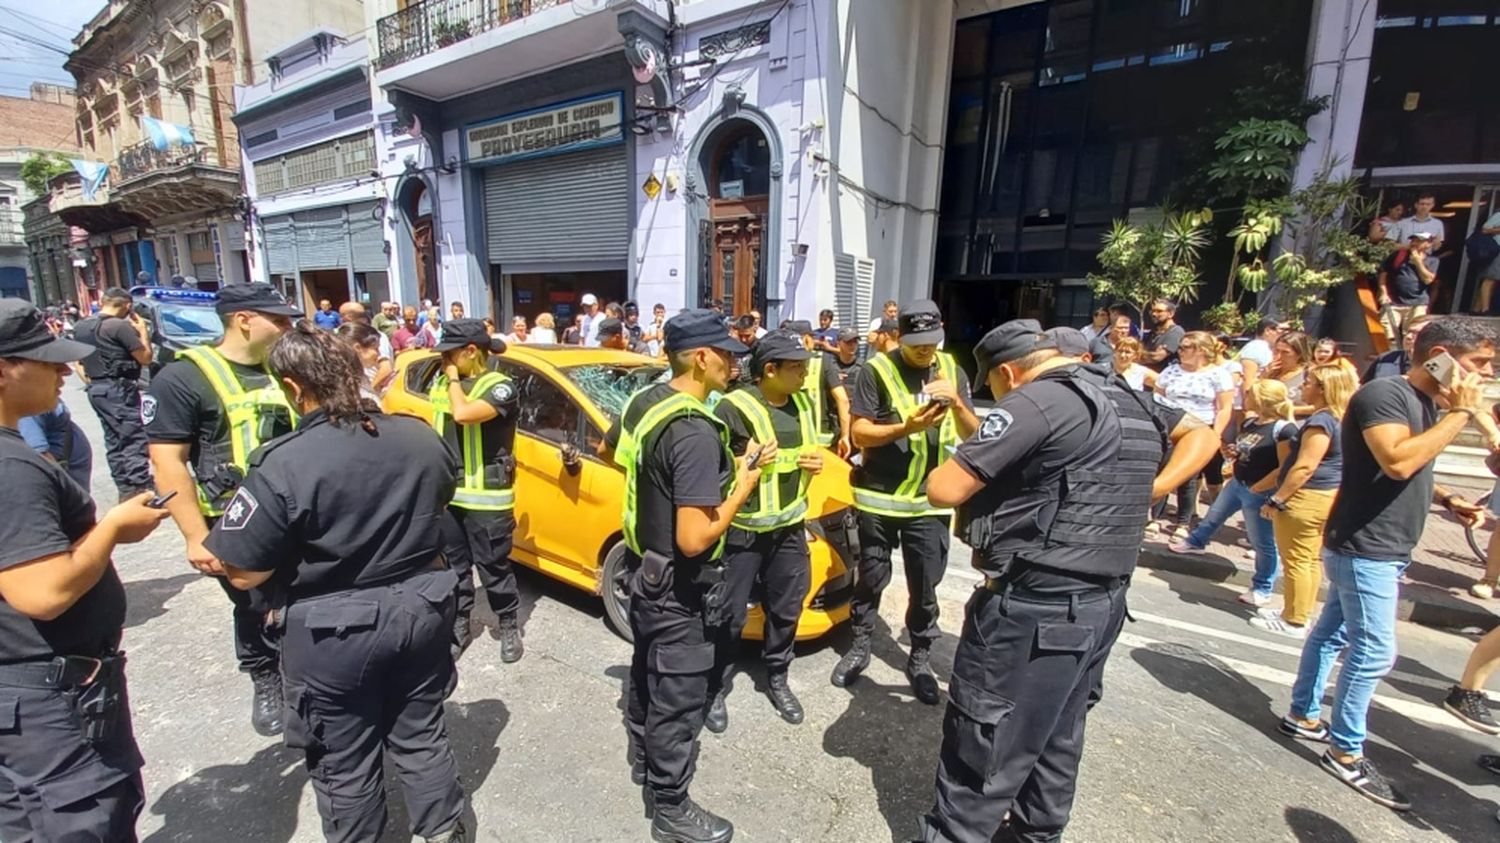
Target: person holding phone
{"x":1403,"y":283}
{"x":69,"y":764}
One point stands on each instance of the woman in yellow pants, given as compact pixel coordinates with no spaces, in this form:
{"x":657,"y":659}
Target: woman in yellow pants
{"x":1299,"y":507}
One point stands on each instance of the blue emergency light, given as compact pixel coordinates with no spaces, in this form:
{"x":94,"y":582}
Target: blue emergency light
{"x":171,"y":294}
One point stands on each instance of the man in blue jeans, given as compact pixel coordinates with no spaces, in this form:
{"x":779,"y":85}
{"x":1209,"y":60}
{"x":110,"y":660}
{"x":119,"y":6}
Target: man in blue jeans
{"x":1390,"y":435}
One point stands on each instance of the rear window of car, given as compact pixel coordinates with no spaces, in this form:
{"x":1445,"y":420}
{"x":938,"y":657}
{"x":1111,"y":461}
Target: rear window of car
{"x":609,"y":387}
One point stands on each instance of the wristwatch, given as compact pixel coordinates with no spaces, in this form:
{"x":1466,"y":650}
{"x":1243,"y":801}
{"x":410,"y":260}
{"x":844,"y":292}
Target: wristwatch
{"x":1277,"y":503}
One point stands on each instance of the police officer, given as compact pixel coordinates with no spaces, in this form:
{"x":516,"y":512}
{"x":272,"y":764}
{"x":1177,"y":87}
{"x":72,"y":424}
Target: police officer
{"x":816,"y":386}
{"x":474,"y":410}
{"x":205,"y":413}
{"x":910,"y":406}
{"x":615,"y":334}
{"x":1056,"y":486}
{"x":122,"y":345}
{"x":768,"y":542}
{"x":69,"y":766}
{"x":682,"y":490}
{"x":839,"y":369}
{"x":370,"y":600}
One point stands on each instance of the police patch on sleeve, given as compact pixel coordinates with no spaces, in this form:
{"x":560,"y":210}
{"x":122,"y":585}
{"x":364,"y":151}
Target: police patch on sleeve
{"x":995,"y":424}
{"x":503,"y":392}
{"x":148,"y":409}
{"x":242,"y":507}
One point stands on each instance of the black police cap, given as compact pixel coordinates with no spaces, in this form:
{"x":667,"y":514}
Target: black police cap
{"x":261,"y":298}
{"x":1009,"y":342}
{"x":848,"y":335}
{"x":920,"y":323}
{"x":610,"y":327}
{"x":1069,"y":341}
{"x":700,"y":328}
{"x":24,"y":334}
{"x":798,"y":327}
{"x":776,"y":347}
{"x":461,"y":333}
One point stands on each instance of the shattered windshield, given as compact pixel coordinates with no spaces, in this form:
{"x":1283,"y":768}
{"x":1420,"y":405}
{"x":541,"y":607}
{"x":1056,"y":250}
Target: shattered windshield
{"x":610,"y":386}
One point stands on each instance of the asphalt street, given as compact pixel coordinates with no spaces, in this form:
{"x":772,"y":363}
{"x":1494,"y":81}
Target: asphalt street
{"x":1182,"y":748}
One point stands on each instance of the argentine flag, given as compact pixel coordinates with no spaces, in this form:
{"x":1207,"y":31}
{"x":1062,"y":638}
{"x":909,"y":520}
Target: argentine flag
{"x":163,"y":135}
{"x":93,"y":173}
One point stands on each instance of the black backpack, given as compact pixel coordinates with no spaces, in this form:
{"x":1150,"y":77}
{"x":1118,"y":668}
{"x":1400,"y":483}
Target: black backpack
{"x":1481,"y":247}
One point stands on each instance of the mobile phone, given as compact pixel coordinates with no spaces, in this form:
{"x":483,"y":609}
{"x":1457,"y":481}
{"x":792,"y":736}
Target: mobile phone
{"x":1441,"y":367}
{"x":754,"y":458}
{"x":160,"y":500}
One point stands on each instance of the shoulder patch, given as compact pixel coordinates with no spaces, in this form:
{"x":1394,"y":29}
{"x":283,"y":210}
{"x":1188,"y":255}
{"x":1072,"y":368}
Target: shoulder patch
{"x":148,"y":409}
{"x":995,"y":424}
{"x":242,"y":507}
{"x":503,"y":392}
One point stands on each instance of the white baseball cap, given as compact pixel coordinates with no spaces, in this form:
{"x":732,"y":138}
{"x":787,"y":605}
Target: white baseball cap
{"x":588,"y":298}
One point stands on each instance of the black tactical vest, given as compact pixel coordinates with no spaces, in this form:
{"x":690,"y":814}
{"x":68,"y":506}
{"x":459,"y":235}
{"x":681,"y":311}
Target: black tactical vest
{"x":110,"y":359}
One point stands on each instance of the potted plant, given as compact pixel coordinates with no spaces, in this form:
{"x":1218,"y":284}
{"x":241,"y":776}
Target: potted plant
{"x":445,"y":32}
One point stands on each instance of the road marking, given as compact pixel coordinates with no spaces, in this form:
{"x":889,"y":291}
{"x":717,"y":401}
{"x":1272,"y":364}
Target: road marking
{"x":1424,"y":712}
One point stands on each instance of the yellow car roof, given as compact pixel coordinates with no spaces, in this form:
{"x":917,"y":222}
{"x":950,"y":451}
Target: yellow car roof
{"x":572,"y":355}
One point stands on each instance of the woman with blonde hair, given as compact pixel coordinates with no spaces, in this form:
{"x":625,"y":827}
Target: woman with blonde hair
{"x":1127,"y":352}
{"x":545,"y":332}
{"x":1254,"y":455}
{"x":1298,"y":509}
{"x":1196,"y":384}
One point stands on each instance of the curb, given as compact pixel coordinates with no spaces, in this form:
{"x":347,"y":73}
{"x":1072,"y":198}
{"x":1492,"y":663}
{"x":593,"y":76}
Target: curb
{"x":1419,"y":604}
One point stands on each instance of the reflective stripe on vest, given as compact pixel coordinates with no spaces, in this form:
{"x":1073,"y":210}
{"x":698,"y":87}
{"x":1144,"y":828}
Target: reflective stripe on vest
{"x":472,"y":493}
{"x":813,"y":389}
{"x":243,"y":409}
{"x":630,"y":453}
{"x":909,"y":501}
{"x":771,"y":512}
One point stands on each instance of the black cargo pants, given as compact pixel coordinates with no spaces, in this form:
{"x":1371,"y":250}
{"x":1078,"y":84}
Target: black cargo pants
{"x":117,"y":402}
{"x":778,"y":560}
{"x":255,"y":645}
{"x":53,"y":784}
{"x":1026,"y":672}
{"x":670,"y":672}
{"x":366,"y":673}
{"x":490,"y":537}
{"x":924,"y":554}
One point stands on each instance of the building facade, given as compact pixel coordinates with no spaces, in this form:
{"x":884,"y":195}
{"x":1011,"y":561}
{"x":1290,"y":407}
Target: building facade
{"x":37,"y":125}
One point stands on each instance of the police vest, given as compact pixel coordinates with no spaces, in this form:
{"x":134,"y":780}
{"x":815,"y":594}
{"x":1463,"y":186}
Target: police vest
{"x":639,"y":427}
{"x":110,"y":360}
{"x":909,"y":501}
{"x":813,"y":389}
{"x":476,"y":491}
{"x":771,"y":512}
{"x":1093,"y":510}
{"x":253,"y":416}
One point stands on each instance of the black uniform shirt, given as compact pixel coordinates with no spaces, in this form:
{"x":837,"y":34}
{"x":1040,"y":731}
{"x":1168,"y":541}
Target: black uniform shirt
{"x":45,"y":513}
{"x":498,"y":434}
{"x":788,"y":437}
{"x":116,"y":340}
{"x":182,"y":408}
{"x":884,"y":468}
{"x":339,"y":507}
{"x":687,"y":466}
{"x":836,"y":373}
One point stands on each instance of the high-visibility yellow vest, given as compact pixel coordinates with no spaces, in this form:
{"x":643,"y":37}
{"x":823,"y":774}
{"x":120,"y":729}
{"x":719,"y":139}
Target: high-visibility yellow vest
{"x":245,"y":411}
{"x":909,"y":501}
{"x":771,"y":512}
{"x":813,"y":389}
{"x":630,"y":453}
{"x":473,"y":493}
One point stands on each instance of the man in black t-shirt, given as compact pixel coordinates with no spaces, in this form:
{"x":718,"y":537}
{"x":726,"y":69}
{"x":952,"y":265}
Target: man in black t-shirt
{"x":1162,"y":342}
{"x":1390,"y":437}
{"x":69,"y":765}
{"x":680,"y":506}
{"x":1403,"y":282}
{"x":839,"y":370}
{"x":200,"y":450}
{"x":122,"y":345}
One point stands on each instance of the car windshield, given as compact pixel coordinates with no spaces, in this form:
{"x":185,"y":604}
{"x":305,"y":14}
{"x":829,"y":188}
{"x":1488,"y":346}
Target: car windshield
{"x":610,"y":386}
{"x":194,"y":324}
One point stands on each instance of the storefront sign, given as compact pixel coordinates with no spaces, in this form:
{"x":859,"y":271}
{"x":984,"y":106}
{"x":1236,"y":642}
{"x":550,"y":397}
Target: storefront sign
{"x":555,"y":129}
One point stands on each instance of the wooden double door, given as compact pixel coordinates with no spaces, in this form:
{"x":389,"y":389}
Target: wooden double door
{"x":738,"y":261}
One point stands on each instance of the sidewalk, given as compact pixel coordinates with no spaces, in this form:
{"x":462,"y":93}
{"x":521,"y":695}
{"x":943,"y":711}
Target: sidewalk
{"x":1433,"y":593}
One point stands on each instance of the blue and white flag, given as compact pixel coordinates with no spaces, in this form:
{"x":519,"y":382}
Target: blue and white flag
{"x":163,"y":135}
{"x":93,"y":173}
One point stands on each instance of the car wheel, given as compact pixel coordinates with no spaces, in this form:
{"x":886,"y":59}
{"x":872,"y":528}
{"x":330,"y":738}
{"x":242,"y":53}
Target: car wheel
{"x":615,"y":589}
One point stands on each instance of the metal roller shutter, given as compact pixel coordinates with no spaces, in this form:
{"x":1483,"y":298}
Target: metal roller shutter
{"x":206,"y":273}
{"x":320,"y":239}
{"x":281,"y":257}
{"x":368,"y":238}
{"x":559,"y":208}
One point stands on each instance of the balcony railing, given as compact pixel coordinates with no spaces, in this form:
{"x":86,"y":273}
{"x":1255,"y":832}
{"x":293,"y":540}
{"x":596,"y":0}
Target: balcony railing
{"x":424,"y":27}
{"x":144,"y":158}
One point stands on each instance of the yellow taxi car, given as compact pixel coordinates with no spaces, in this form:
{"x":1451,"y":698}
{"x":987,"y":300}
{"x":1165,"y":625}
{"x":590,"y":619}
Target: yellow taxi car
{"x":568,"y":500}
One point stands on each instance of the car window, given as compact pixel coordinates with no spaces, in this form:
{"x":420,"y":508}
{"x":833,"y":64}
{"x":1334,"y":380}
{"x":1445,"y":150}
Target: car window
{"x":420,"y":374}
{"x":190,"y":323}
{"x":545,"y":410}
{"x":609,"y":387}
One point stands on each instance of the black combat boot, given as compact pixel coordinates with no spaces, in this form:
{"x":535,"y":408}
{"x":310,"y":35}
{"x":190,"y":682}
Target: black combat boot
{"x":637,"y":764}
{"x":511,"y":648}
{"x":267,"y":708}
{"x":782,"y":697}
{"x":463,"y":636}
{"x":919,"y":672}
{"x":689,"y":823}
{"x":853,"y":663}
{"x":716,"y":719}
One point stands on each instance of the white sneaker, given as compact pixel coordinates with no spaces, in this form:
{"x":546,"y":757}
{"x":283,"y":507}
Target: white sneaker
{"x":1274,"y":623}
{"x":1182,"y":546}
{"x":1254,"y":598}
{"x":1483,"y":590}
{"x":1268,"y":612}
{"x":1250,"y":555}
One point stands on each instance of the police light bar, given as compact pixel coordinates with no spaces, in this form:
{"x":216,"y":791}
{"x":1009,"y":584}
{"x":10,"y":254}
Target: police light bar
{"x":170,"y":294}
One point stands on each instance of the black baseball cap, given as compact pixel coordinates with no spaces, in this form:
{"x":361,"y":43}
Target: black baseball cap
{"x":1069,"y":341}
{"x":1010,"y":341}
{"x":920,"y":323}
{"x":700,"y":328}
{"x":798,"y":327}
{"x":261,"y":298}
{"x":24,"y":334}
{"x":458,"y":333}
{"x":610,"y":327}
{"x":778,"y":346}
{"x":890,"y":326}
{"x":848,"y":335}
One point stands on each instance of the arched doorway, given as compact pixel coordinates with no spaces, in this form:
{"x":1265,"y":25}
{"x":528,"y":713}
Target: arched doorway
{"x":736,"y":163}
{"x":416,"y":209}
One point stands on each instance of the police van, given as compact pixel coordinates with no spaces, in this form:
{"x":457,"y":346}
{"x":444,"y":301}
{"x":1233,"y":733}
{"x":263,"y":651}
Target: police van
{"x":178,"y":319}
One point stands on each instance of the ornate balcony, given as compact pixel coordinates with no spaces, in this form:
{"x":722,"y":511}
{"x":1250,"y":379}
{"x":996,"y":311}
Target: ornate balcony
{"x":422,"y":28}
{"x":143,"y":158}
{"x":155,"y":183}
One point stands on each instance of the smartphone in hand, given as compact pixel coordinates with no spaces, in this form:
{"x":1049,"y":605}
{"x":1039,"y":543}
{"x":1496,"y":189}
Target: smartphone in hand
{"x":1441,"y":368}
{"x":160,"y":501}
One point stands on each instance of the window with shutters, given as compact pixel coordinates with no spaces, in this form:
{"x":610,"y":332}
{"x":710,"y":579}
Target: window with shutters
{"x":341,"y":159}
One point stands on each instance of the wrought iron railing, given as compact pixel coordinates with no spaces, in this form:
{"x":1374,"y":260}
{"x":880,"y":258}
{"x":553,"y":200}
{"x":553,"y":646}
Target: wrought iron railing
{"x":431,"y":25}
{"x":145,"y":158}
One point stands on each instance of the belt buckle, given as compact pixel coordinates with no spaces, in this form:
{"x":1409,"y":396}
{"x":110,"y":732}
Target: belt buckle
{"x":61,"y":669}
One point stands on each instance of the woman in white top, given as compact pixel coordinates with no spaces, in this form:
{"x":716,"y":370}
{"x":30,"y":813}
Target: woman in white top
{"x":1196,"y":384}
{"x":1127,"y":351}
{"x":1099,"y":326}
{"x":366,"y":343}
{"x":545,"y":332}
